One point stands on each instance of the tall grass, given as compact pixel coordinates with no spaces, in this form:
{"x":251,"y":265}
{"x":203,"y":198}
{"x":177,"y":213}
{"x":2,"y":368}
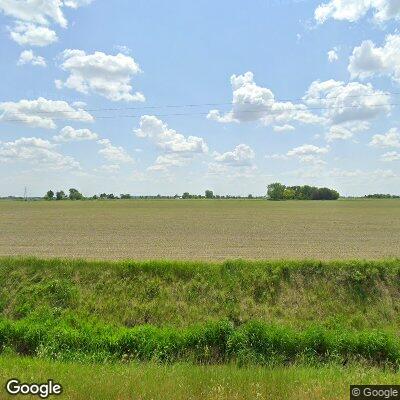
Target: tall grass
{"x":220,"y":342}
{"x":350,"y":294}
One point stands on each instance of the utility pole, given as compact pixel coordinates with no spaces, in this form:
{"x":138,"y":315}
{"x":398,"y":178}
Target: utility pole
{"x":25,"y":194}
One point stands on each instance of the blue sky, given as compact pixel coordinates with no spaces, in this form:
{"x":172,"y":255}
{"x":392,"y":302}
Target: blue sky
{"x":301,"y":92}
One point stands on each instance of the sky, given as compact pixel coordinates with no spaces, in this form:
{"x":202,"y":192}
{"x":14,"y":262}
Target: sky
{"x":148,"y":97}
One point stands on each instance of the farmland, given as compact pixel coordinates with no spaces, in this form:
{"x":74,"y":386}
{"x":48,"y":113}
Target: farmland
{"x":314,"y":298}
{"x":201,"y":230}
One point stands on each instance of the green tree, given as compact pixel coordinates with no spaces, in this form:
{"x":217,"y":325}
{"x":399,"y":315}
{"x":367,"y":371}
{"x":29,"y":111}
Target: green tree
{"x":186,"y":195}
{"x":74,"y":194}
{"x":275,"y":191}
{"x":61,"y":195}
{"x":289,"y":194}
{"x":209,"y":194}
{"x":49,"y":195}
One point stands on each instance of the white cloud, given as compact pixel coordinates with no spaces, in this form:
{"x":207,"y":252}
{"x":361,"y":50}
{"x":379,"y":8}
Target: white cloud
{"x":42,"y":12}
{"x":36,"y":151}
{"x":37,"y":11}
{"x":179,"y":149}
{"x":28,"y":34}
{"x":116,"y":154}
{"x":28,"y":57}
{"x":353,"y":10}
{"x":332,"y":55}
{"x":255,"y":103}
{"x":168,"y":139}
{"x":32,"y":19}
{"x":166,"y":161}
{"x":69,"y":134}
{"x":389,"y":139}
{"x":349,"y":106}
{"x":391,"y":156}
{"x":307,"y":149}
{"x":107,"y":75}
{"x":283,"y":128}
{"x":306,"y":153}
{"x":368,"y":60}
{"x":41,"y":112}
{"x":77,"y":3}
{"x":338,"y":132}
{"x":241,"y":155}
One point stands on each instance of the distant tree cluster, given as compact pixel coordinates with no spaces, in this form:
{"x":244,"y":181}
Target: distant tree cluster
{"x":74,"y":194}
{"x":381,"y":196}
{"x":278,"y":191}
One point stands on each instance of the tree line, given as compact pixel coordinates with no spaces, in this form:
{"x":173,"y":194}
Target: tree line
{"x":278,"y":191}
{"x":275,"y":191}
{"x":381,"y":196}
{"x":74,"y":194}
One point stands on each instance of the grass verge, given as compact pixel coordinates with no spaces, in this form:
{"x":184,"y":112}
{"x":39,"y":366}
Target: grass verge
{"x":182,"y":381}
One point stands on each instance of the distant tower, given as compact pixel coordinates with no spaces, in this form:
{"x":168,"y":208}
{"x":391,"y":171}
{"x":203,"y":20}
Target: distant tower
{"x":25,"y":194}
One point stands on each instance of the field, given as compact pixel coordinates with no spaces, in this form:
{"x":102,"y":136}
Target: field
{"x":202,"y":230}
{"x":311,"y":307}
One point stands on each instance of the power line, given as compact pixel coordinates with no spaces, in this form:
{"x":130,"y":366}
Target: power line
{"x":280,"y":100}
{"x":270,"y":110}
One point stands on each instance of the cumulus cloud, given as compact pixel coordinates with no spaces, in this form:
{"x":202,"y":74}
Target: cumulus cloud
{"x":179,"y":149}
{"x":41,"y":112}
{"x":36,"y":151}
{"x":28,"y":57}
{"x":283,"y":128}
{"x":347,"y":108}
{"x":77,"y":3}
{"x":41,"y":12}
{"x":368,"y":60}
{"x":306,"y":153}
{"x":338,"y":132}
{"x":116,"y":154}
{"x":255,"y":103}
{"x":168,"y":139}
{"x":332,"y":55}
{"x":165,"y":161}
{"x":107,"y":75}
{"x":33,"y":19}
{"x":307,"y":149}
{"x":241,"y":155}
{"x":69,"y":134}
{"x":353,"y":10}
{"x":391,"y":156}
{"x":389,"y":139}
{"x":27,"y":34}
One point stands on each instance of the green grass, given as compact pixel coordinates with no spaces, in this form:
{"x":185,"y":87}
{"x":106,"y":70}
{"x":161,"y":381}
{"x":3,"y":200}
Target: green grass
{"x":201,"y":229}
{"x":214,"y":343}
{"x":349,"y":294}
{"x":238,"y":311}
{"x":188,"y":382}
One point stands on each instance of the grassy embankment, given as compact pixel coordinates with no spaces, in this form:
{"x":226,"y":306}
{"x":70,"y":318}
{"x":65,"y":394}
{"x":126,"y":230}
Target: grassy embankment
{"x":269,"y":313}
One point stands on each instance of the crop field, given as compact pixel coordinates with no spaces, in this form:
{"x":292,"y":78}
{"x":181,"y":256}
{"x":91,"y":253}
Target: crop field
{"x":238,"y":299}
{"x":201,"y":230}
